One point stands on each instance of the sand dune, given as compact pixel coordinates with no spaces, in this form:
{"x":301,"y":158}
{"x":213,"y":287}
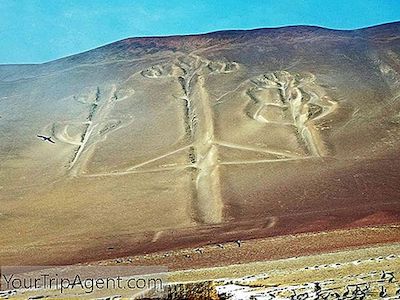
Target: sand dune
{"x":162,"y":143}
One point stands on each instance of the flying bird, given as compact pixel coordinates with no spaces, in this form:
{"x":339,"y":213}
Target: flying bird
{"x":46,"y":138}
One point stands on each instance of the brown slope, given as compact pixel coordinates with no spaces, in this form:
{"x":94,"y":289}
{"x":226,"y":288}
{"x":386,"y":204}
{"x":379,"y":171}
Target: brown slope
{"x":238,"y":134}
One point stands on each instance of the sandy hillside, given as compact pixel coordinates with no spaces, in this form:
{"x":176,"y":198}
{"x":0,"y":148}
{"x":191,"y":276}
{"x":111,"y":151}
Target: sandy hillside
{"x":166,"y":143}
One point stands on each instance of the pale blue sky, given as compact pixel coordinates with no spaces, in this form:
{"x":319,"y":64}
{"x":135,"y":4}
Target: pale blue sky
{"x":33,"y":31}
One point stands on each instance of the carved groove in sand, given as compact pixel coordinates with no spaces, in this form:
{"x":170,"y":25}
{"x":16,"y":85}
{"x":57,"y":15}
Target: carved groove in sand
{"x":295,"y":101}
{"x":199,"y":127}
{"x":85,"y":133}
{"x":292,"y":100}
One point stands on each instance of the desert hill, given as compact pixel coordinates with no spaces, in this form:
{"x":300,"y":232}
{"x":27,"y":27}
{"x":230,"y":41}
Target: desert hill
{"x":166,"y":142}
